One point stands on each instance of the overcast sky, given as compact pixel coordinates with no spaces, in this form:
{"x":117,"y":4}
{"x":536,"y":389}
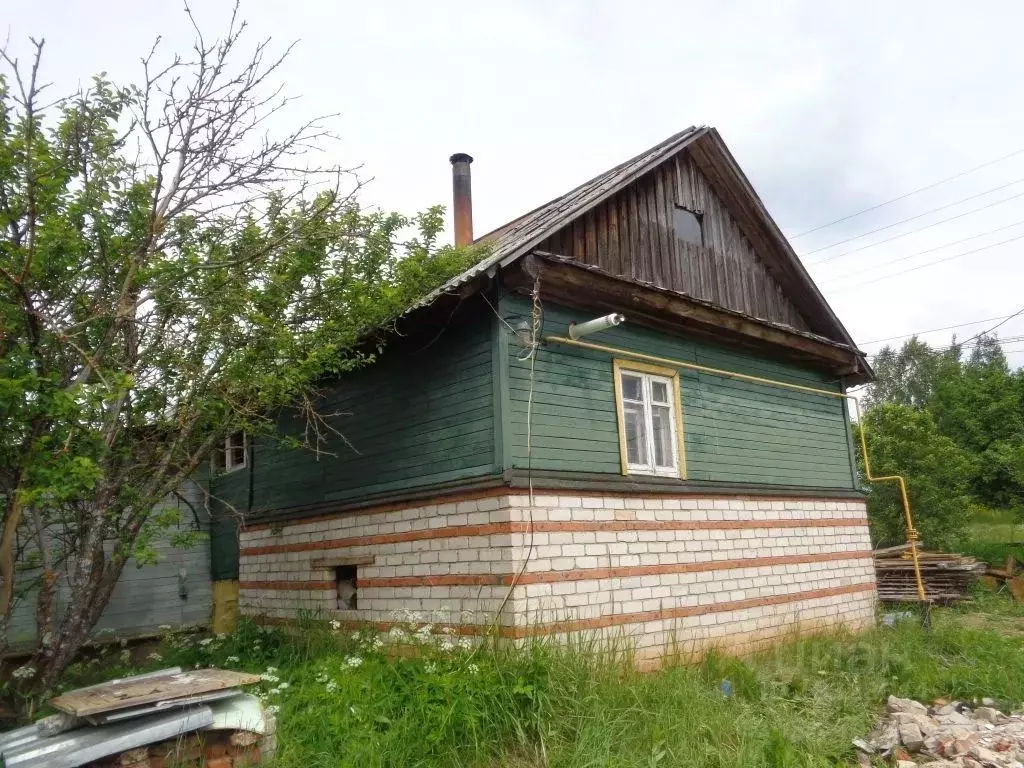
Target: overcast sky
{"x":828,"y":109}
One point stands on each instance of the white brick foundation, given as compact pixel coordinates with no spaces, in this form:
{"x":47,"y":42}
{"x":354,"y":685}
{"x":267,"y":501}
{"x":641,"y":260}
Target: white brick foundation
{"x":669,"y":573}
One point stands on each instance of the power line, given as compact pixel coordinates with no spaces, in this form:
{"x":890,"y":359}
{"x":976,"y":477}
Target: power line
{"x":915,"y":231}
{"x":929,"y":250}
{"x":925,"y":266}
{"x":1000,"y":324}
{"x":905,"y":195}
{"x":964,"y":345}
{"x":934,"y":330}
{"x":922,"y":215}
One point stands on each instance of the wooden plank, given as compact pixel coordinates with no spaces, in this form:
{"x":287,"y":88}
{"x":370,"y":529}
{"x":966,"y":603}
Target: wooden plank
{"x":339,"y":562}
{"x":133,"y":692}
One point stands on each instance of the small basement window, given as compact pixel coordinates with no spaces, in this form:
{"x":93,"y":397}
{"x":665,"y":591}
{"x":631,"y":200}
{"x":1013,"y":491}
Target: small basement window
{"x":231,"y":455}
{"x":345,"y":577}
{"x":688,"y":226}
{"x":650,"y":420}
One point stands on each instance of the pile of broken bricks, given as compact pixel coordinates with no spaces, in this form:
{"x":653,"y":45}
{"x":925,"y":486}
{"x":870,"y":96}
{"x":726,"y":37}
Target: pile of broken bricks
{"x":945,"y":735}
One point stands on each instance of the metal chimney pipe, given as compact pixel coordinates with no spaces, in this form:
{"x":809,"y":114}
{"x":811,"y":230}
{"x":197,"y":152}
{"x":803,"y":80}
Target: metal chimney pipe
{"x":462,"y":198}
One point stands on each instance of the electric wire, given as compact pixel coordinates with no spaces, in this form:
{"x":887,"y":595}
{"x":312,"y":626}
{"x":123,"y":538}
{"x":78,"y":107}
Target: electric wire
{"x":924,"y":266}
{"x":934,"y":330}
{"x":904,"y":234}
{"x":905,"y":195}
{"x":919,"y":253}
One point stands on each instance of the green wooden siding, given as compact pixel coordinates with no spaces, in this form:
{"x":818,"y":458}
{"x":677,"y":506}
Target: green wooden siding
{"x":410,"y":420}
{"x":735,"y":431}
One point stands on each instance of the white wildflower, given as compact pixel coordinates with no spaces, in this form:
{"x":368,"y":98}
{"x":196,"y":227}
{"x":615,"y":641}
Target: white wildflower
{"x":163,"y":627}
{"x":447,"y":644}
{"x":155,"y":657}
{"x":353,"y":661}
{"x":378,"y":643}
{"x":273,"y":709}
{"x":274,"y":691}
{"x":221,"y":636}
{"x":284,"y":685}
{"x":331,"y":686}
{"x":430,"y":667}
{"x":266,"y":677}
{"x":323,"y":677}
{"x":473,"y":669}
{"x":24,"y":673}
{"x":233,"y":660}
{"x":335,"y":625}
{"x":126,"y":656}
{"x":397,"y":634}
{"x":206,"y":641}
{"x":465,"y":643}
{"x":355,"y":635}
{"x":271,"y":670}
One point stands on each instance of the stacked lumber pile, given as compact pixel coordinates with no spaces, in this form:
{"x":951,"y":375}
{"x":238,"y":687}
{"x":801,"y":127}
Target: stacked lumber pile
{"x":947,"y":577}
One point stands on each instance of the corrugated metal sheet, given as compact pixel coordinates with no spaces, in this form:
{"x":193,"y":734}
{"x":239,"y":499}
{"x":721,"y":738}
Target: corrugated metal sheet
{"x":25,"y":748}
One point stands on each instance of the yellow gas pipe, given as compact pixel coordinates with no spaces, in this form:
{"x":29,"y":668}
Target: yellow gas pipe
{"x":912,"y":534}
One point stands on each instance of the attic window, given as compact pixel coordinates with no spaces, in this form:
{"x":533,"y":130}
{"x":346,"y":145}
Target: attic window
{"x":231,"y":454}
{"x":687,"y":224}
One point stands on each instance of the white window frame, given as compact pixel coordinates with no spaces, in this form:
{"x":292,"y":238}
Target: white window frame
{"x":228,"y":464}
{"x":649,"y":374}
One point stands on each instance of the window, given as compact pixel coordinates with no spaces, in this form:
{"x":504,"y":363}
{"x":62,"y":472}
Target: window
{"x":650,"y":420}
{"x":687,"y":224}
{"x":231,"y":455}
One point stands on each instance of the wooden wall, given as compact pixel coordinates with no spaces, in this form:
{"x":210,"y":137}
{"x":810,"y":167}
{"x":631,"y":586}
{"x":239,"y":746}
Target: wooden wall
{"x":734,"y":431}
{"x":632,"y":234}
{"x":411,"y":420}
{"x":175,"y":591}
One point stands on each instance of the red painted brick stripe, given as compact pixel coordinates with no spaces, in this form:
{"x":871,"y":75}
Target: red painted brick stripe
{"x":618,"y":619}
{"x":580,"y":574}
{"x":552,"y":526}
{"x":601,"y":622}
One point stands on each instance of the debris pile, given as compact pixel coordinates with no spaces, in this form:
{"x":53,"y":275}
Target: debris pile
{"x":947,"y":577}
{"x":172,"y":717}
{"x":1010,"y":575}
{"x":946,"y":735}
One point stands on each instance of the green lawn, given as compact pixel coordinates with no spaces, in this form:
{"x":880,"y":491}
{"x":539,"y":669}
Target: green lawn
{"x":348,"y":700}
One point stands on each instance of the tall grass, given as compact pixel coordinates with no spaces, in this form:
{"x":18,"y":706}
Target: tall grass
{"x":355,"y":701}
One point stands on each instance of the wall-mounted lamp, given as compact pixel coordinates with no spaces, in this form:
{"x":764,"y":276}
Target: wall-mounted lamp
{"x":578,"y":330}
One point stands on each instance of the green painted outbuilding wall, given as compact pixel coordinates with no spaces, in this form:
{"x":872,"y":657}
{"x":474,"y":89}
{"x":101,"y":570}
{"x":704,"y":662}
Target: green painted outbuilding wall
{"x":734,"y":431}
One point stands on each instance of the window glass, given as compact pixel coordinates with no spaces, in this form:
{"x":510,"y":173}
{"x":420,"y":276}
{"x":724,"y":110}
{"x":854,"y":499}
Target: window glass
{"x":688,"y":226}
{"x":632,"y":387}
{"x":636,"y":438}
{"x":659,"y":391}
{"x":661,"y":428}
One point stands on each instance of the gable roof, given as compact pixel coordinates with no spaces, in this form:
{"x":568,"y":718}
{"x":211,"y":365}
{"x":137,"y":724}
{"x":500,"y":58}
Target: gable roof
{"x":519,"y":236}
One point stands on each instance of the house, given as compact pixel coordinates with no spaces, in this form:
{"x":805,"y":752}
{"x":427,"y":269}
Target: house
{"x":627,"y":418}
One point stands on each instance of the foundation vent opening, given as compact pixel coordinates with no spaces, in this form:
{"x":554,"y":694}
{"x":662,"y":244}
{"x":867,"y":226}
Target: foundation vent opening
{"x":345,"y":577}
